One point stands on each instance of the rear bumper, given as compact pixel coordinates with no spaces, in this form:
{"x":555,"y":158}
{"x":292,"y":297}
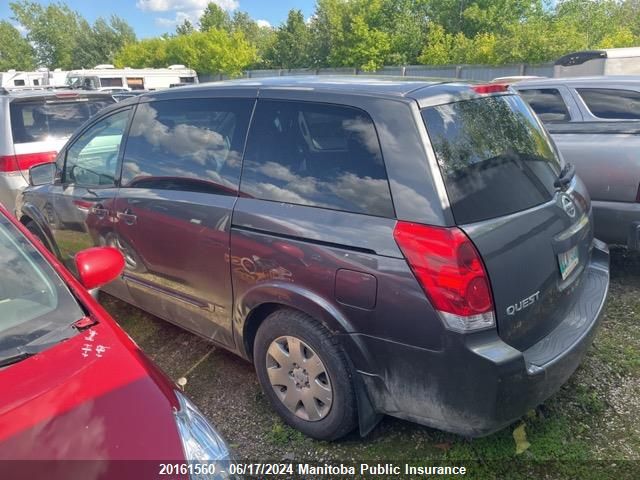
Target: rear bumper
{"x":477,"y":384}
{"x":11,"y":184}
{"x":617,"y":223}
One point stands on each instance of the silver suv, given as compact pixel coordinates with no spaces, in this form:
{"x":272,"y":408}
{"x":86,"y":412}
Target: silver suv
{"x":595,"y":122}
{"x":34,"y":125}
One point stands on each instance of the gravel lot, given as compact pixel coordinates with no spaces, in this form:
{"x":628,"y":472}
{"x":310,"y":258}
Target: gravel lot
{"x":590,"y":429}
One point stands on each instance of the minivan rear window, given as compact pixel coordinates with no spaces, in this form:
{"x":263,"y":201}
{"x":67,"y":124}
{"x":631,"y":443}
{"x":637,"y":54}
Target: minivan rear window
{"x":494,"y":156}
{"x":47,"y":119}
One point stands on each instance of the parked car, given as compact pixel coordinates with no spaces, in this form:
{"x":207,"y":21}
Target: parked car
{"x":595,"y":122}
{"x":34,"y":125}
{"x":75,"y":386}
{"x":373,"y":246}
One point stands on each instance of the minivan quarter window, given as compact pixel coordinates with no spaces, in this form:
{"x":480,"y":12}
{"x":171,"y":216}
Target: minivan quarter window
{"x":318,"y":155}
{"x":547,"y":103}
{"x":612,"y":103}
{"x":187,"y":144}
{"x":92,"y":160}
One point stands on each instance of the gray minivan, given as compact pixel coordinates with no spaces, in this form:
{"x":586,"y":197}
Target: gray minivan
{"x":373,"y":246}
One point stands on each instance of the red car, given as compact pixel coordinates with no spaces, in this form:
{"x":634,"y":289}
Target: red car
{"x":74,"y":386}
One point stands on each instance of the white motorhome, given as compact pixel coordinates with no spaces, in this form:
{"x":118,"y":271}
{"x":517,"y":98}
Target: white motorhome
{"x":610,"y":61}
{"x":107,"y":77}
{"x":15,"y":78}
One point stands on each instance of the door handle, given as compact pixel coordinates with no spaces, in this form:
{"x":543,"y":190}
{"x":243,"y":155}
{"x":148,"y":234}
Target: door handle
{"x":127,"y":217}
{"x":99,"y":211}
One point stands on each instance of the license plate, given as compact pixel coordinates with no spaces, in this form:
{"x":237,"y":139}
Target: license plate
{"x":568,"y":261}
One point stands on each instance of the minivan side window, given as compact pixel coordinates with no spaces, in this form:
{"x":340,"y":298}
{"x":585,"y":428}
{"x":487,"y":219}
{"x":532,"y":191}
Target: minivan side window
{"x":93,"y":157}
{"x":547,"y":103}
{"x":612,"y":103}
{"x":187,"y":144}
{"x":317,"y":155}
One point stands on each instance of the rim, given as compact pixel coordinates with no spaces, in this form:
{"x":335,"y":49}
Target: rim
{"x":299,"y":378}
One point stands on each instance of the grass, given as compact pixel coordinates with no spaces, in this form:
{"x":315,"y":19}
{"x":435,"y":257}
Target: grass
{"x":282,"y":434}
{"x":588,"y":430}
{"x":618,"y":343}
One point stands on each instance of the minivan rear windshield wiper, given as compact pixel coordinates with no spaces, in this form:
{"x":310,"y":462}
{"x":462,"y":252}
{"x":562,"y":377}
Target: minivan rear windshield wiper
{"x":566,"y":175}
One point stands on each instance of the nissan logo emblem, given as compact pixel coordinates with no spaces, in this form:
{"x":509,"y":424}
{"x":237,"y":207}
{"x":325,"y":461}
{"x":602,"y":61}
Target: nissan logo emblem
{"x":568,"y":205}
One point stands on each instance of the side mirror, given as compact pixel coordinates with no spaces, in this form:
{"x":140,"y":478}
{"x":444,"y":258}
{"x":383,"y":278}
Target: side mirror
{"x":98,"y":266}
{"x":42,"y":174}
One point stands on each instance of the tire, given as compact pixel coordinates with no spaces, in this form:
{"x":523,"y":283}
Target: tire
{"x":309,"y":408}
{"x":33,"y":228}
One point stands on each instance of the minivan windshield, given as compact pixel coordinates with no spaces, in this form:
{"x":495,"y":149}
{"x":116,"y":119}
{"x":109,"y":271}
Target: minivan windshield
{"x":494,"y":156}
{"x":34,"y":300}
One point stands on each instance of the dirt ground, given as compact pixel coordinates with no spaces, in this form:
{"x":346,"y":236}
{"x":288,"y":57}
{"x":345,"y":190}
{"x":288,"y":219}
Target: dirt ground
{"x":590,"y":429}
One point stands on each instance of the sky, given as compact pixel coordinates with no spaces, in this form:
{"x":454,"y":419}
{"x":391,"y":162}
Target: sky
{"x":153,"y":17}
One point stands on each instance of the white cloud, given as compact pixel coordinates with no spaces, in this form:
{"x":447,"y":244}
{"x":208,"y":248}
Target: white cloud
{"x":177,"y":20}
{"x":263,"y":23}
{"x":166,"y":22}
{"x":21,"y":28}
{"x":183,"y":9}
{"x":183,"y":5}
{"x":154,"y":5}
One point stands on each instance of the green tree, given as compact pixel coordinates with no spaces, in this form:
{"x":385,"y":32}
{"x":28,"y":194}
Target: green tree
{"x":185,"y":28}
{"x":146,"y":53}
{"x":351,"y":33}
{"x":291,"y":46}
{"x":324,"y":30}
{"x":471,"y":17}
{"x":438,"y":50}
{"x":52,"y":29}
{"x":602,"y":22}
{"x":15,"y":51}
{"x":364,"y":47}
{"x":406,"y":22}
{"x":260,"y":37}
{"x":100,"y":42}
{"x":62,"y":38}
{"x":538,"y":40}
{"x":620,"y":37}
{"x":214,"y":17}
{"x":212,"y":52}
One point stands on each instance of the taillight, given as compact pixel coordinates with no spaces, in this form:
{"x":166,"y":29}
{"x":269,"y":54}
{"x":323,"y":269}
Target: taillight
{"x":451,"y":273}
{"x":490,"y":88}
{"x":24,"y":161}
